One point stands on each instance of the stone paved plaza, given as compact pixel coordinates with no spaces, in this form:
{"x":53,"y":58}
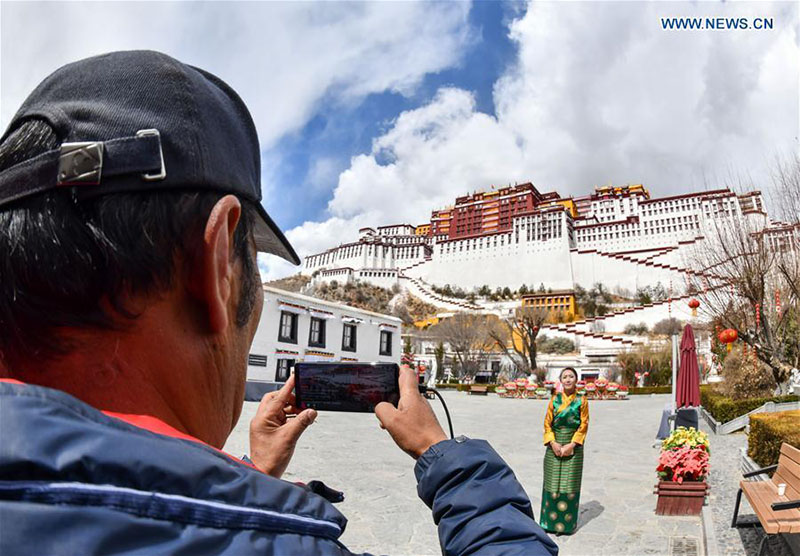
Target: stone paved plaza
{"x":350,"y":452}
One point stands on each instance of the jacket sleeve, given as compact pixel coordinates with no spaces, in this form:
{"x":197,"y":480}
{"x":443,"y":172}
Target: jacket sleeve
{"x":477,"y":503}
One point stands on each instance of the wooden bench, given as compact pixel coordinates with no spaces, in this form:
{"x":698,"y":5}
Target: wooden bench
{"x":480,"y":390}
{"x":777,"y":514}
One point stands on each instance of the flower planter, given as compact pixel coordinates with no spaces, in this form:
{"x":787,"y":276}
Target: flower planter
{"x":680,"y":498}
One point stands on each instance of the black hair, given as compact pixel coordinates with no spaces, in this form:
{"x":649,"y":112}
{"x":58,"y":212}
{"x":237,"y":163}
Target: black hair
{"x":568,"y":369}
{"x":71,"y":262}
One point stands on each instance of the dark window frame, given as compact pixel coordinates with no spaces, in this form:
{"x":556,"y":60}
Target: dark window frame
{"x":293,"y":319}
{"x":256,"y":360}
{"x":322,"y":330}
{"x":388,"y":348}
{"x":284,"y":371}
{"x":352,"y":346}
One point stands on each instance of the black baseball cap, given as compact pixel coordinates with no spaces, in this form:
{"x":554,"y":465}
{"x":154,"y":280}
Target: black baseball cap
{"x":142,"y":121}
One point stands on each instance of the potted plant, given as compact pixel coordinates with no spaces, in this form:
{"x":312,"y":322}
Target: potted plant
{"x":622,"y":393}
{"x":682,"y":471}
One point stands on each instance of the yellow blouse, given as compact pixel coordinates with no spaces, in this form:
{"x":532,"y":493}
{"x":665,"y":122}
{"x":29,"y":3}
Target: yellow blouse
{"x":580,"y":434}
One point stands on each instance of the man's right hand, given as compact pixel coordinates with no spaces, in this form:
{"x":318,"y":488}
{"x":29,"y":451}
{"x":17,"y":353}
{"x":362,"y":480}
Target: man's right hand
{"x":412,"y":423}
{"x":556,"y":447}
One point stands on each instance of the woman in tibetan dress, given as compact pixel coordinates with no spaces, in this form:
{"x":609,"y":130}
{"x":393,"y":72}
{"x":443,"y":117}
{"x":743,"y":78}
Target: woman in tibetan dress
{"x":565,"y":426}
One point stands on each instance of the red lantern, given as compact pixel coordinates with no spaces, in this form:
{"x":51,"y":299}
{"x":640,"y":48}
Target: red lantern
{"x":728,"y":336}
{"x":693,"y":305}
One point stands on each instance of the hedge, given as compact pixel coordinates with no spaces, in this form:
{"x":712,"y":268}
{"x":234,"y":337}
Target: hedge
{"x":464,"y":387}
{"x":725,"y":409}
{"x":649,"y":390}
{"x":768,"y":431}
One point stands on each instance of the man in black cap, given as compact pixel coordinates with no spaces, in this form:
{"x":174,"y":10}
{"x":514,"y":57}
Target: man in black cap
{"x":130,"y":218}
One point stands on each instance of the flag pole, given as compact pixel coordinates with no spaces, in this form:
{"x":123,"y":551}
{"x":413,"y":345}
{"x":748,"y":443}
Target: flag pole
{"x":674,"y":368}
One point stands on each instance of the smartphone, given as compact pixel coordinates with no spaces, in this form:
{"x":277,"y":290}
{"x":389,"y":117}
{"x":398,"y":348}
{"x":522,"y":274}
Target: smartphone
{"x":356,"y":387}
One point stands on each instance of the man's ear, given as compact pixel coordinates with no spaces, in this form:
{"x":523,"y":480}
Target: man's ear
{"x":216,"y":263}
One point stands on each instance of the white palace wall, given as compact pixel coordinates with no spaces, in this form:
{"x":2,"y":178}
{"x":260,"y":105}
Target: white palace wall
{"x":507,"y":264}
{"x":591,"y":268}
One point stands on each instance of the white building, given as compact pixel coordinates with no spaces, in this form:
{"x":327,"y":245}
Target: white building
{"x":617,"y":236}
{"x":296,"y":327}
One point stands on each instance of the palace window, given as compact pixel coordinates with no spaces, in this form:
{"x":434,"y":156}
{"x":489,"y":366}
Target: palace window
{"x":257,"y":360}
{"x":316,"y":333}
{"x":287,"y":331}
{"x":349,"y":337}
{"x":283,"y":370}
{"x":386,"y":343}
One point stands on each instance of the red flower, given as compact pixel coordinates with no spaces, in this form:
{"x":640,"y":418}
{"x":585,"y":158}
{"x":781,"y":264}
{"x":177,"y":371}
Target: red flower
{"x":683,"y":464}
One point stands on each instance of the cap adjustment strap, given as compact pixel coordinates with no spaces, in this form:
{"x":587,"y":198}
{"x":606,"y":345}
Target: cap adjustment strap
{"x":80,"y":163}
{"x":86,"y":163}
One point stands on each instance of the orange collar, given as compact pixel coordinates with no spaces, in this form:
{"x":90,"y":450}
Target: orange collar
{"x":152,"y":424}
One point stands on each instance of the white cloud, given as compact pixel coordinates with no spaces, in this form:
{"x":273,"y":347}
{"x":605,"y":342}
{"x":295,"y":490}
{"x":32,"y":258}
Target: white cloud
{"x":436,"y":152}
{"x":281,"y":57}
{"x":306,"y":239}
{"x":598,"y":93}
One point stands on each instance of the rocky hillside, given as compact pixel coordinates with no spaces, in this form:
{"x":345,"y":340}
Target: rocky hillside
{"x":361,"y":295}
{"x":296,"y":283}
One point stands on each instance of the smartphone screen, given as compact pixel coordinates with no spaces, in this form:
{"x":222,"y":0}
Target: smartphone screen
{"x":355,"y":387}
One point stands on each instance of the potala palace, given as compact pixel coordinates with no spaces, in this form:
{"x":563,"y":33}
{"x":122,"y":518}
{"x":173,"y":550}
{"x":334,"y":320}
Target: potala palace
{"x":617,"y":236}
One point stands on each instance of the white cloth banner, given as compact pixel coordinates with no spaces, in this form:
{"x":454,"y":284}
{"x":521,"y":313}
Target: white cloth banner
{"x":320,"y":314}
{"x":315,"y":357}
{"x":291,"y":308}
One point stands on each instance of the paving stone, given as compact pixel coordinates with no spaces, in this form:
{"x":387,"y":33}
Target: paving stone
{"x":724,"y":477}
{"x":350,"y":452}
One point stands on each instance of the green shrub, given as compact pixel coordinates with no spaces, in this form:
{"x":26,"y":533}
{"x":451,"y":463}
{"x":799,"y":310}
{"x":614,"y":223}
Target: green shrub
{"x":650,"y":390}
{"x":768,"y":431}
{"x":463,"y":387}
{"x":725,"y":409}
{"x":555,"y":345}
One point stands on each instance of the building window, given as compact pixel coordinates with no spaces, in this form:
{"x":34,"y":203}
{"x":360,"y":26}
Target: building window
{"x":386,"y":343}
{"x":287,"y":331}
{"x":284,"y":370}
{"x":349,"y":337}
{"x":316,"y":333}
{"x":257,"y":360}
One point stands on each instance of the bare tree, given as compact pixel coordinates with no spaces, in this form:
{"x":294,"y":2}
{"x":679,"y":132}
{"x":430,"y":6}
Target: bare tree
{"x":750,"y":277}
{"x":516,"y":335}
{"x":787,"y":186}
{"x":468,"y":338}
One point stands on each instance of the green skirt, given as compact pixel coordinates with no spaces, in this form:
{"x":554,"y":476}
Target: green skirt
{"x":561,"y":491}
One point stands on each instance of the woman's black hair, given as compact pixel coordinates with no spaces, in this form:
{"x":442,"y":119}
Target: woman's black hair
{"x":561,"y":374}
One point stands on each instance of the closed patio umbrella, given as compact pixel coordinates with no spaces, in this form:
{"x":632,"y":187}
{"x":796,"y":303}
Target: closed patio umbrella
{"x":688,"y":388}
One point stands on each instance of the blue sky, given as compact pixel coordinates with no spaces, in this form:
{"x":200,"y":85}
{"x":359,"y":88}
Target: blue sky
{"x":337,"y":131}
{"x":378,"y":112}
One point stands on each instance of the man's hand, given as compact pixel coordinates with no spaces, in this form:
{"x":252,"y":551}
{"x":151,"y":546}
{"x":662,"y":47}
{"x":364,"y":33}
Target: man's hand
{"x":412,"y":424}
{"x":557,"y":448}
{"x":567,"y":450}
{"x":273,"y":436}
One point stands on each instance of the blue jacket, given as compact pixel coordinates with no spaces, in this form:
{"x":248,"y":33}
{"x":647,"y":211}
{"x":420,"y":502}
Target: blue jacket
{"x":75,"y":481}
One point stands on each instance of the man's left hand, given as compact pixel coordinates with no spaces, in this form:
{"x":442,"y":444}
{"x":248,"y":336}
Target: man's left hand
{"x":273,"y":436}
